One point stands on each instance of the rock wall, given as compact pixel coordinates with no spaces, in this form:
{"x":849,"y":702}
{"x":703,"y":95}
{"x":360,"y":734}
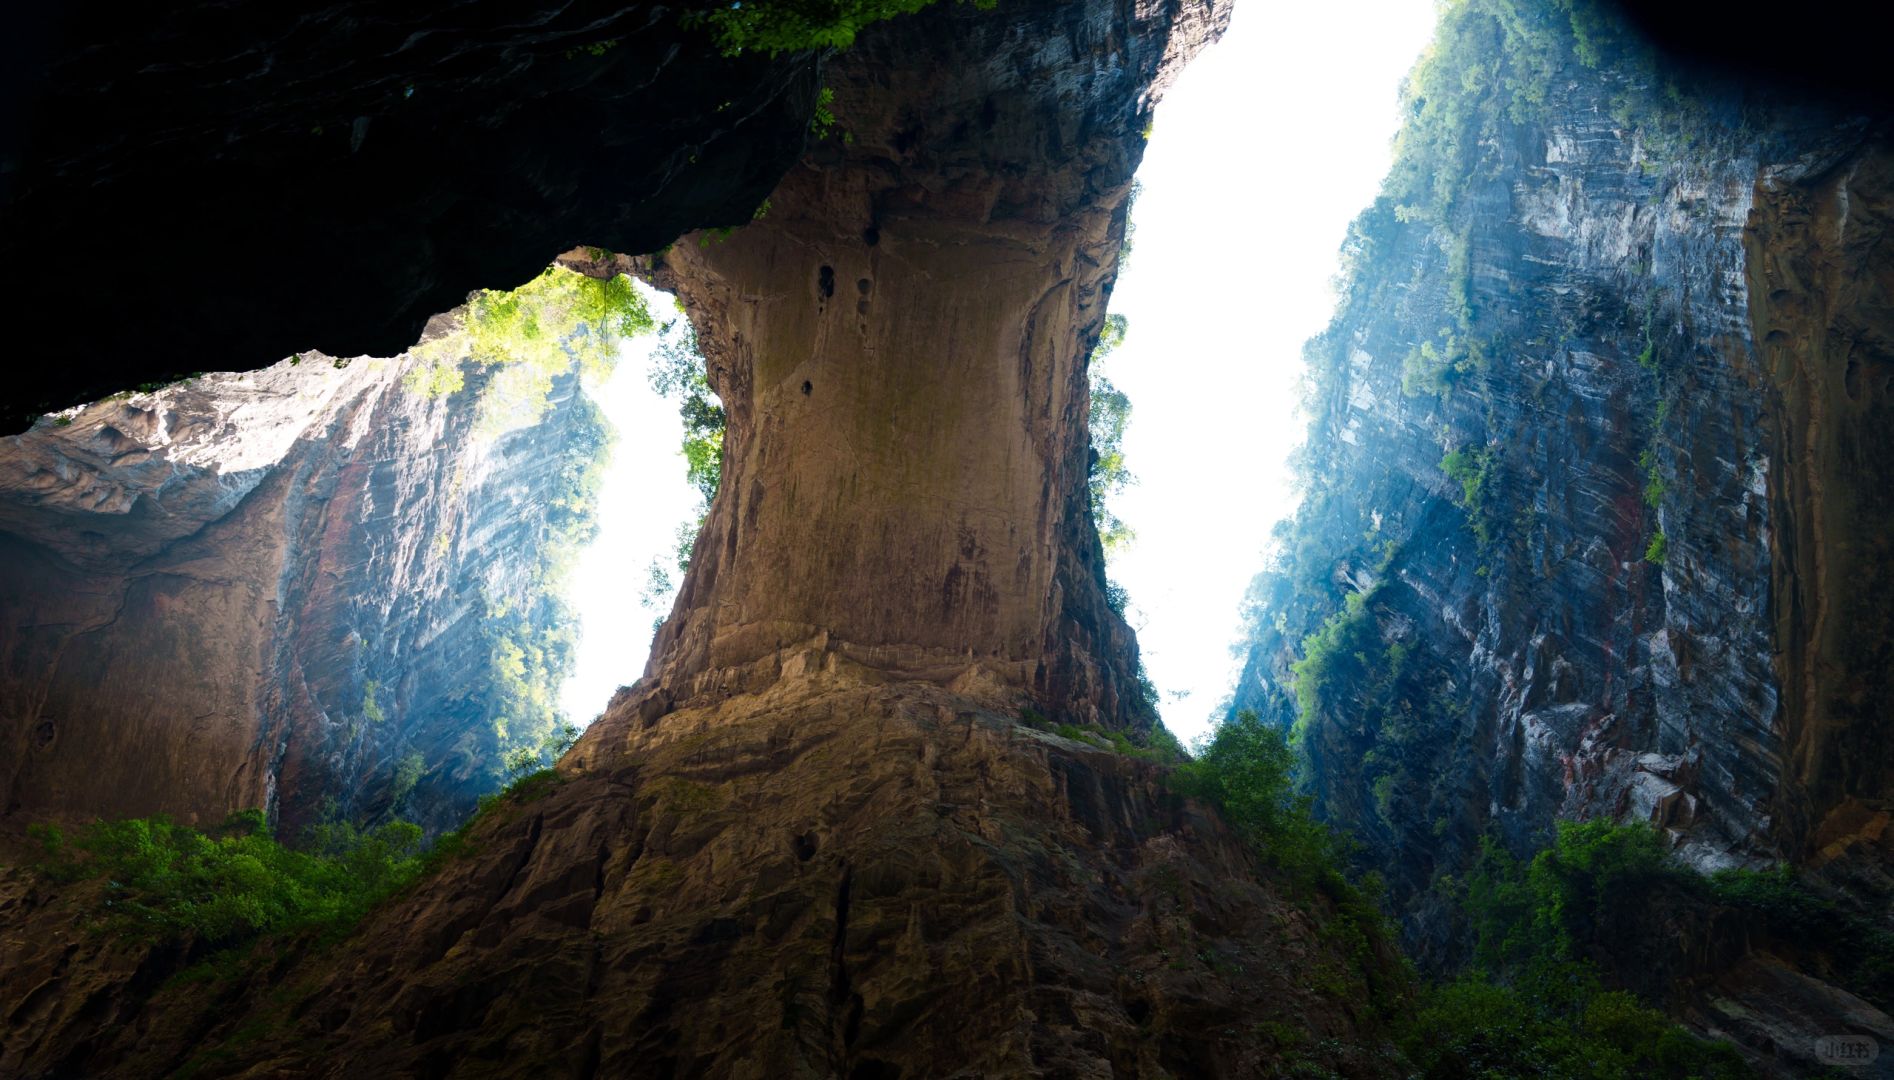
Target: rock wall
{"x":896,"y":343}
{"x":274,"y":589}
{"x":1591,"y":455}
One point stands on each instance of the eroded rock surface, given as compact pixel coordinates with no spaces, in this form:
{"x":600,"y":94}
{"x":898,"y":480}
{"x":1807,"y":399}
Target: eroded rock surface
{"x":270,"y":590}
{"x":815,"y":840}
{"x":832,"y":877}
{"x":1599,"y":450}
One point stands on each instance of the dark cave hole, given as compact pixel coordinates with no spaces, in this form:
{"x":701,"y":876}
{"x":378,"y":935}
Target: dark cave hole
{"x":807,"y":387}
{"x":871,"y":235}
{"x":825,"y":281}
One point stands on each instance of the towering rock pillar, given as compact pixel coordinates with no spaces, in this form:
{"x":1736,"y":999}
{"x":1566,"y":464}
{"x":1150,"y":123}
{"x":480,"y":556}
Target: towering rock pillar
{"x":900,"y":343}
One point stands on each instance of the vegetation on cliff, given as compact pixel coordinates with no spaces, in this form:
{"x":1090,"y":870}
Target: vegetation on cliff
{"x":532,"y":335}
{"x":1534,"y":1000}
{"x":531,"y":626}
{"x":1574,"y":914}
{"x":235,"y":882}
{"x":779,"y":26}
{"x":1335,"y":608}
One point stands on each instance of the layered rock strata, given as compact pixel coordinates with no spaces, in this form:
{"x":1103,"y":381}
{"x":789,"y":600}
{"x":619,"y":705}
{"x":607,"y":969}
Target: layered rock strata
{"x":1596,"y":451}
{"x":273,"y":590}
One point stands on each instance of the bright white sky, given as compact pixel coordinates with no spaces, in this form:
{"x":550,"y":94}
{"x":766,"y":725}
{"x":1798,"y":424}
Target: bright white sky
{"x":1264,"y":150}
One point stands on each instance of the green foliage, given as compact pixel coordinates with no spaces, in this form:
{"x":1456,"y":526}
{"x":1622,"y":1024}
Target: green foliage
{"x":678,"y":373}
{"x":532,"y":632}
{"x":167,"y":882}
{"x":1860,"y":950}
{"x":408,"y":773}
{"x":1474,"y":1027}
{"x":1126,"y":245}
{"x":1468,"y":469}
{"x":533,"y":334}
{"x":523,"y":761}
{"x":823,"y":121}
{"x":1334,"y":655}
{"x":1246,"y":771}
{"x":1110,"y":415}
{"x":1653,"y":479}
{"x":778,"y":26}
{"x":1159,"y":744}
{"x":1431,"y":370}
{"x":370,"y":708}
{"x":1536,"y":1001}
{"x":594,"y":49}
{"x":1471,"y":469}
{"x":1658,"y":549}
{"x":1528,"y":919}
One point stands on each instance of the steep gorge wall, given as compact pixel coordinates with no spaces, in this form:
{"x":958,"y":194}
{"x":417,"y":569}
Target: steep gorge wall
{"x":275,"y":590}
{"x":1596,"y":516}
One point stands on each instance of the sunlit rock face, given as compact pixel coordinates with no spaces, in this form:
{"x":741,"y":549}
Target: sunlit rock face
{"x":267,"y":590}
{"x":1678,"y":610}
{"x":188,"y":187}
{"x":824,"y":879}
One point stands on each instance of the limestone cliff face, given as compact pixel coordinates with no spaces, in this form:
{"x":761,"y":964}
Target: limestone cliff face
{"x":270,"y":589}
{"x":816,"y":840}
{"x":1597,"y":450}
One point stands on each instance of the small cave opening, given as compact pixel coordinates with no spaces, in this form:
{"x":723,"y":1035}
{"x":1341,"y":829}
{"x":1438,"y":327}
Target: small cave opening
{"x":825,"y":282}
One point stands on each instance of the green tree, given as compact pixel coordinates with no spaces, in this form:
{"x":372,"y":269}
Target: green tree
{"x":1110,"y":415}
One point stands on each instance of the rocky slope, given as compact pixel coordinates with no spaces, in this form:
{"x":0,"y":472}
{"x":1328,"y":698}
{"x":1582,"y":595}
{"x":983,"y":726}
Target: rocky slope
{"x":835,"y":876}
{"x":278,"y":589}
{"x":261,"y":179}
{"x":1598,"y":436}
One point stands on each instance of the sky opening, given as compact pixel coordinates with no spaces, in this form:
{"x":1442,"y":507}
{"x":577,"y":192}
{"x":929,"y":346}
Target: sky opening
{"x":1264,"y":150}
